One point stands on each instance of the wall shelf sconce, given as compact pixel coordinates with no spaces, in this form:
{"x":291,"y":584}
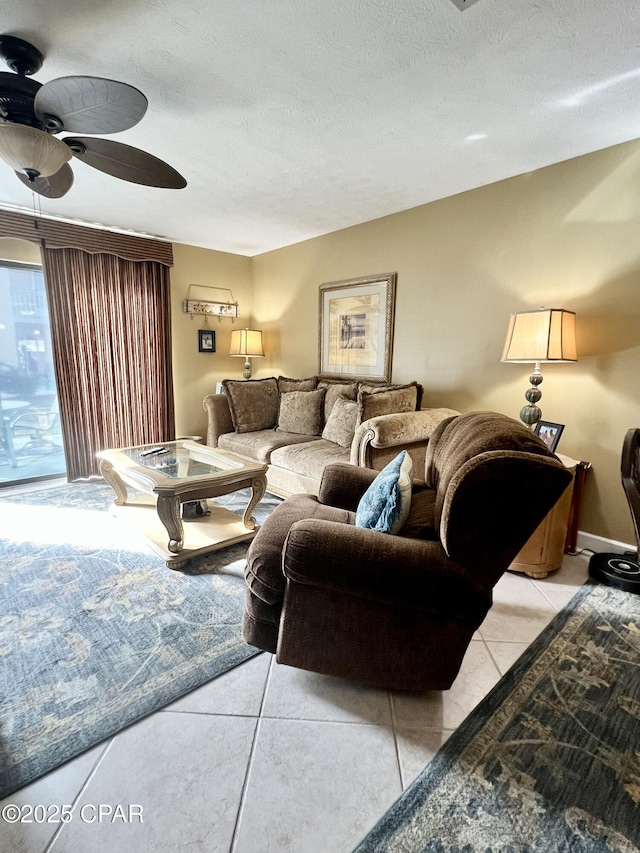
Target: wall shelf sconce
{"x":211,"y":307}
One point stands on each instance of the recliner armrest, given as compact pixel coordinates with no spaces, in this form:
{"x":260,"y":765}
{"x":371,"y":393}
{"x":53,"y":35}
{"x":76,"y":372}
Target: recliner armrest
{"x":342,"y":485}
{"x":406,"y":573}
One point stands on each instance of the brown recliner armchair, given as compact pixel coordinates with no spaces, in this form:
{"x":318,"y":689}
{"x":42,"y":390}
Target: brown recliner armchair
{"x":399,"y":611}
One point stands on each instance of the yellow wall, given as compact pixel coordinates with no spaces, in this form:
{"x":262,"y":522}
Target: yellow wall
{"x":194,"y":373}
{"x":563,"y":237}
{"x":19,"y":250}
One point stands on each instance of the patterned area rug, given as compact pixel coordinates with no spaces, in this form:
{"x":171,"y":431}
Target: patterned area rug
{"x":550,"y":760}
{"x":95,"y":631}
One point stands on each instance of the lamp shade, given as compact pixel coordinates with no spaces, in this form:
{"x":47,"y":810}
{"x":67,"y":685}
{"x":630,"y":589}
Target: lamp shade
{"x":246,"y":342}
{"x":548,"y":334}
{"x":32,"y":151}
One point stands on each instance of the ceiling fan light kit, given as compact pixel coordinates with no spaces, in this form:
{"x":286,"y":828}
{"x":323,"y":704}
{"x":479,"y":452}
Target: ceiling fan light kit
{"x":31,"y":113}
{"x":32,"y":152}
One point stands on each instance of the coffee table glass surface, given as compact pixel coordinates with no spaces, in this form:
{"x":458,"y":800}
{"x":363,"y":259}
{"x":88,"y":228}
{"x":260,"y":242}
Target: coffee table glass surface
{"x":180,"y":459}
{"x":178,"y":472}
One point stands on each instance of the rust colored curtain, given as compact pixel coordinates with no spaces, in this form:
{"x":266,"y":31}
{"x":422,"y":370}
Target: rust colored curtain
{"x":111,"y":340}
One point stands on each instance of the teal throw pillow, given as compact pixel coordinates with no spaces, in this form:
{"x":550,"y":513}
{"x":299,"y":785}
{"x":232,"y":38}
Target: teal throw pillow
{"x":386,"y":503}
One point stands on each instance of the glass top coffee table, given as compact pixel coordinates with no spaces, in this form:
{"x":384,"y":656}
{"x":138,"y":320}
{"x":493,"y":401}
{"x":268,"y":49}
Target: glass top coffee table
{"x":177,"y":472}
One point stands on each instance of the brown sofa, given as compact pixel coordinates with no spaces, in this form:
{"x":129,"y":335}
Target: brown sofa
{"x":295,"y":440}
{"x":399,"y":611}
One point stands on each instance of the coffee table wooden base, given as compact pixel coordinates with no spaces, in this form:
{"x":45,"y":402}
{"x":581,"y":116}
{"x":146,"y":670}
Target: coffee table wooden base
{"x":219,"y":529}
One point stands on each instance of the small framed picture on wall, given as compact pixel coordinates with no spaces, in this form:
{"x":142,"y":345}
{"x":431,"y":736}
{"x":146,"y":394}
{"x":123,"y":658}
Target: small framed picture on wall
{"x":549,"y":433}
{"x":206,"y":340}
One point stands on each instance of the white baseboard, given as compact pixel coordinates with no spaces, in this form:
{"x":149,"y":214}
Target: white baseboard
{"x":598,"y":544}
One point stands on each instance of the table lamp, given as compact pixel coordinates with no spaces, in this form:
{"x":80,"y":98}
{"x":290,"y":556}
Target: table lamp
{"x":246,"y":343}
{"x":548,"y":334}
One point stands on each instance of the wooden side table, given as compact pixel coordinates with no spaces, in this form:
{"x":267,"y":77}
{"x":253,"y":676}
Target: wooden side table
{"x":544,"y":550}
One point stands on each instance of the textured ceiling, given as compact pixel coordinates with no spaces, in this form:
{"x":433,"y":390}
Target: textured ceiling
{"x":294,"y":118}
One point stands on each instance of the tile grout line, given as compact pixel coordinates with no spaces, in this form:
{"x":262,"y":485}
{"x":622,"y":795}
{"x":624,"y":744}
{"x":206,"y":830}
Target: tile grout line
{"x":395,"y":740}
{"x":83,"y":787}
{"x":252,"y":752}
{"x":493,"y":660}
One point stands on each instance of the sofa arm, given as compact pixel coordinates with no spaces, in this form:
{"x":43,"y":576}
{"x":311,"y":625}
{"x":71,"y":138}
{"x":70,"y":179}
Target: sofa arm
{"x":382,"y":568}
{"x":378,"y":440}
{"x":218,"y":417}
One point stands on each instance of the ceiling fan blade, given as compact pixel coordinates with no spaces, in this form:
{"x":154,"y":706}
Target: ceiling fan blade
{"x":55,"y":186}
{"x":89,"y":105}
{"x":125,"y":162}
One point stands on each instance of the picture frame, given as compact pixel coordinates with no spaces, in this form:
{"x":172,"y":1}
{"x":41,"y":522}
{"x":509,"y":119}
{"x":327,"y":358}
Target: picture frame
{"x":206,"y":340}
{"x":550,"y":433}
{"x":356,"y":319}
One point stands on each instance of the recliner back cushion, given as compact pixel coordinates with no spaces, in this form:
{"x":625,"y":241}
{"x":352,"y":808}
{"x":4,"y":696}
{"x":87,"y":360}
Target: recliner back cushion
{"x":460,"y":438}
{"x":253,"y":403}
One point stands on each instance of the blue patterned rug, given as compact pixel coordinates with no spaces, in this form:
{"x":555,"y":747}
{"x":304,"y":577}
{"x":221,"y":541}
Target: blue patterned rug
{"x":550,"y":759}
{"x":95,"y":631}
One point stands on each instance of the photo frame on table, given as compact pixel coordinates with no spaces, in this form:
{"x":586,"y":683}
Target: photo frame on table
{"x":356,"y":319}
{"x":550,"y":433}
{"x":206,"y":340}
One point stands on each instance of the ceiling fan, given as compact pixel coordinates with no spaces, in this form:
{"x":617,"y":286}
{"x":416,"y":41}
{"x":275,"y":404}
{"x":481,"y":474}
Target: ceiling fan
{"x":32,"y":114}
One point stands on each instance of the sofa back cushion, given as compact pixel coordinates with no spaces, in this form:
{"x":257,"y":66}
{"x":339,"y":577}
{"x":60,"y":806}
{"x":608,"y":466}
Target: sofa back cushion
{"x":388,"y":401}
{"x":286,"y":384}
{"x":253,"y":403}
{"x":335,"y":390}
{"x":341,"y":423}
{"x":301,"y":412}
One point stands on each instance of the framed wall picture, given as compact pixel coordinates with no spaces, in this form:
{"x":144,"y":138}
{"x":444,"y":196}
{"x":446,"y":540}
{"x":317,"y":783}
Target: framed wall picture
{"x":549,"y":433}
{"x":206,"y":340}
{"x":356,"y":328}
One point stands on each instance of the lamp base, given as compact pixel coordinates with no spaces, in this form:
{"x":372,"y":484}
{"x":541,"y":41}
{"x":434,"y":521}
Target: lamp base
{"x":531,"y":414}
{"x":247,"y":369}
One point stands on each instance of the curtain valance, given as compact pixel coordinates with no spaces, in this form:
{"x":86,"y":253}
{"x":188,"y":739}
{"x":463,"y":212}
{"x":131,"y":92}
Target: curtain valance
{"x":54,"y":234}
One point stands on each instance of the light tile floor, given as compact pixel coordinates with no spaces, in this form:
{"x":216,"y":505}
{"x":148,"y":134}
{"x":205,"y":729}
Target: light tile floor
{"x":270,"y":759}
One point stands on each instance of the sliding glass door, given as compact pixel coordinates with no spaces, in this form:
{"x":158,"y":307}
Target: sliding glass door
{"x":30,"y":437}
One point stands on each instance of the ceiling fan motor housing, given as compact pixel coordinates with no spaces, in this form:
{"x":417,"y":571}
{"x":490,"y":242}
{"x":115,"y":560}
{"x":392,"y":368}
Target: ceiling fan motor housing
{"x":17,"y":95}
{"x":20,"y":56}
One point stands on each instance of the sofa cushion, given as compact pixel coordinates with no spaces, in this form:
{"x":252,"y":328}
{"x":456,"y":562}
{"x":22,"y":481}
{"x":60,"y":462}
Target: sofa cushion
{"x":253,"y":403}
{"x":386,"y":504}
{"x":301,"y":412}
{"x":285,"y":384}
{"x":259,"y":445}
{"x":309,"y":459}
{"x":341,"y":425}
{"x":372,"y":404}
{"x":378,"y":389}
{"x":335,"y":390}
